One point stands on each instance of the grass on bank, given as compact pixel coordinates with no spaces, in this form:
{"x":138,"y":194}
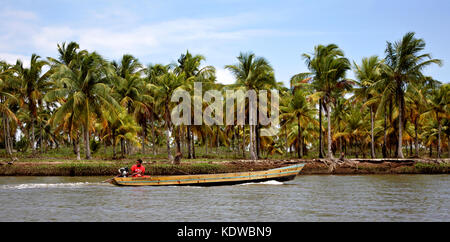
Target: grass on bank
{"x":108,"y":169}
{"x":102,"y":153}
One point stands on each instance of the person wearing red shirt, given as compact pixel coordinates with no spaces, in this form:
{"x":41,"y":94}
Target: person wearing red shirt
{"x":138,"y":169}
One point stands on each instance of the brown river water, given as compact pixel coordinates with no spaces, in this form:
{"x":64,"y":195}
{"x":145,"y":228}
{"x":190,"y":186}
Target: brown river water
{"x":307,"y":198}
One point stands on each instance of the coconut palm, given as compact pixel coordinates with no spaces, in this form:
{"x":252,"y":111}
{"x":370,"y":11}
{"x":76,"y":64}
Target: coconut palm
{"x":83,"y":93}
{"x":121,"y":127}
{"x":67,"y":53}
{"x":416,"y":104}
{"x":153,"y":73}
{"x":190,"y":66}
{"x":404,"y":65}
{"x":253,"y":74}
{"x":328,"y":67}
{"x":342,"y":108}
{"x":130,"y":91}
{"x":34,"y":85}
{"x":439,"y":109}
{"x":356,"y":131}
{"x":300,"y":111}
{"x":367,"y":74}
{"x":163,"y":87}
{"x":7,"y":98}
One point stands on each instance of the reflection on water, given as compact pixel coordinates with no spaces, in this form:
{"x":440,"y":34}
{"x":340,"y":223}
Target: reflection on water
{"x":307,"y":198}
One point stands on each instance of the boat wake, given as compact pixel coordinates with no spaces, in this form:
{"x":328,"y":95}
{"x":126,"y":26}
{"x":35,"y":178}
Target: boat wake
{"x":47,"y":185}
{"x":272,"y":182}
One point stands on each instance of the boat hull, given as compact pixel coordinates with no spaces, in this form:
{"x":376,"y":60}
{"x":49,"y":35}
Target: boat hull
{"x":279,"y":174}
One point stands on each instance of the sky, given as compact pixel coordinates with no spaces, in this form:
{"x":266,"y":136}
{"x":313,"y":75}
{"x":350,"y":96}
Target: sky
{"x":280,"y":31}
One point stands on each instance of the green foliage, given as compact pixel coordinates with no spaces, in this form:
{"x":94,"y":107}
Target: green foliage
{"x":23,"y":144}
{"x":86,"y":101}
{"x":429,"y":168}
{"x":95,"y":146}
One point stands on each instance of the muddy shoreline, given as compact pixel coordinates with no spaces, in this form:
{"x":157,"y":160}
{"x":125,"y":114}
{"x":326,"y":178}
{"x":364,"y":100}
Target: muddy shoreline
{"x":312,"y":167}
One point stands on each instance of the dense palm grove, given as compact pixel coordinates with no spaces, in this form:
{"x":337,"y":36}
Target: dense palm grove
{"x":82,"y":101}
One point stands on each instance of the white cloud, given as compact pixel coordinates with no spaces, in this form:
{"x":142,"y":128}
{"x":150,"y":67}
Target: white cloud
{"x":17,"y":15}
{"x":12,"y":58}
{"x":22,"y":32}
{"x":224,"y":76}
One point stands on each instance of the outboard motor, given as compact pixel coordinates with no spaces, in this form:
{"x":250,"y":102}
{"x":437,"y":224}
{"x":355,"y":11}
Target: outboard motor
{"x":123,"y":172}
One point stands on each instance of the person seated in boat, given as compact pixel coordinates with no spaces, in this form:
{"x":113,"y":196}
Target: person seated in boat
{"x":138,"y":169}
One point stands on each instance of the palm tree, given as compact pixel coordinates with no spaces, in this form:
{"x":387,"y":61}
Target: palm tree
{"x":153,"y":73}
{"x":7,"y":98}
{"x":416,"y":104}
{"x":130,"y":91}
{"x":163,"y":87}
{"x":404,"y":65}
{"x":439,"y":107}
{"x":34,"y":84}
{"x":121,"y":127}
{"x":189,"y":65}
{"x":342,"y":108}
{"x":298,"y":108}
{"x":67,"y":53}
{"x":355,"y":132}
{"x":253,"y":74}
{"x":328,"y":67}
{"x":83,"y":93}
{"x":367,"y":74}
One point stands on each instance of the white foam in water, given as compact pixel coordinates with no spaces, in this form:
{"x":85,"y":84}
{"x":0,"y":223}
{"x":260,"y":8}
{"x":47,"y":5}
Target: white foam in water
{"x":45,"y":185}
{"x":271,"y":182}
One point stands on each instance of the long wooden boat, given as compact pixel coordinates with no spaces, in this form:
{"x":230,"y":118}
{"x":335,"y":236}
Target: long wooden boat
{"x":279,"y":174}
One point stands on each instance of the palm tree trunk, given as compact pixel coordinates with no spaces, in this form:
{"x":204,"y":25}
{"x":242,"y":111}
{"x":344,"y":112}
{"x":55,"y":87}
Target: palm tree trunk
{"x":235,"y":141}
{"x":384,"y":148}
{"x":300,"y":139}
{"x":330,"y":152}
{"x":439,"y":138}
{"x":153,"y":138}
{"x":168,"y":144}
{"x":431,"y":149}
{"x":144,"y":135}
{"x":86,"y":133}
{"x":178,"y":139}
{"x":252,"y":144}
{"x":114,"y":144}
{"x":410,"y":148}
{"x":320,"y":130}
{"x":87,"y":146}
{"x":189,"y":142}
{"x":286,"y":140}
{"x":33,"y":148}
{"x":76,"y":147}
{"x":217,"y":140}
{"x":168,"y":126}
{"x":400,"y":124}
{"x":6,"y":132}
{"x":41,"y":146}
{"x":448,"y":145}
{"x":372,"y":145}
{"x":416,"y":139}
{"x":193,"y":144}
{"x":122,"y":147}
{"x":243,"y":141}
{"x":258,"y":142}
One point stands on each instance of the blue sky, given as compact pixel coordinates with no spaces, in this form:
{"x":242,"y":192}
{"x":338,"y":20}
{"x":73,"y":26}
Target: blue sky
{"x":159,"y":31}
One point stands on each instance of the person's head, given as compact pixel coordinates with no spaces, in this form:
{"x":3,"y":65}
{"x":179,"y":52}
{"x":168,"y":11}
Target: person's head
{"x":138,"y":162}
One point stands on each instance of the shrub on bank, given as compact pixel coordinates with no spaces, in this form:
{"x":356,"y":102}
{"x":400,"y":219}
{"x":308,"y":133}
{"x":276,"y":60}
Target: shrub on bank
{"x":106,"y":169}
{"x":430,"y":168}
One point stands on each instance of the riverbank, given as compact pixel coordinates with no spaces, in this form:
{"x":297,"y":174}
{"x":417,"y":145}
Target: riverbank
{"x":61,"y":167}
